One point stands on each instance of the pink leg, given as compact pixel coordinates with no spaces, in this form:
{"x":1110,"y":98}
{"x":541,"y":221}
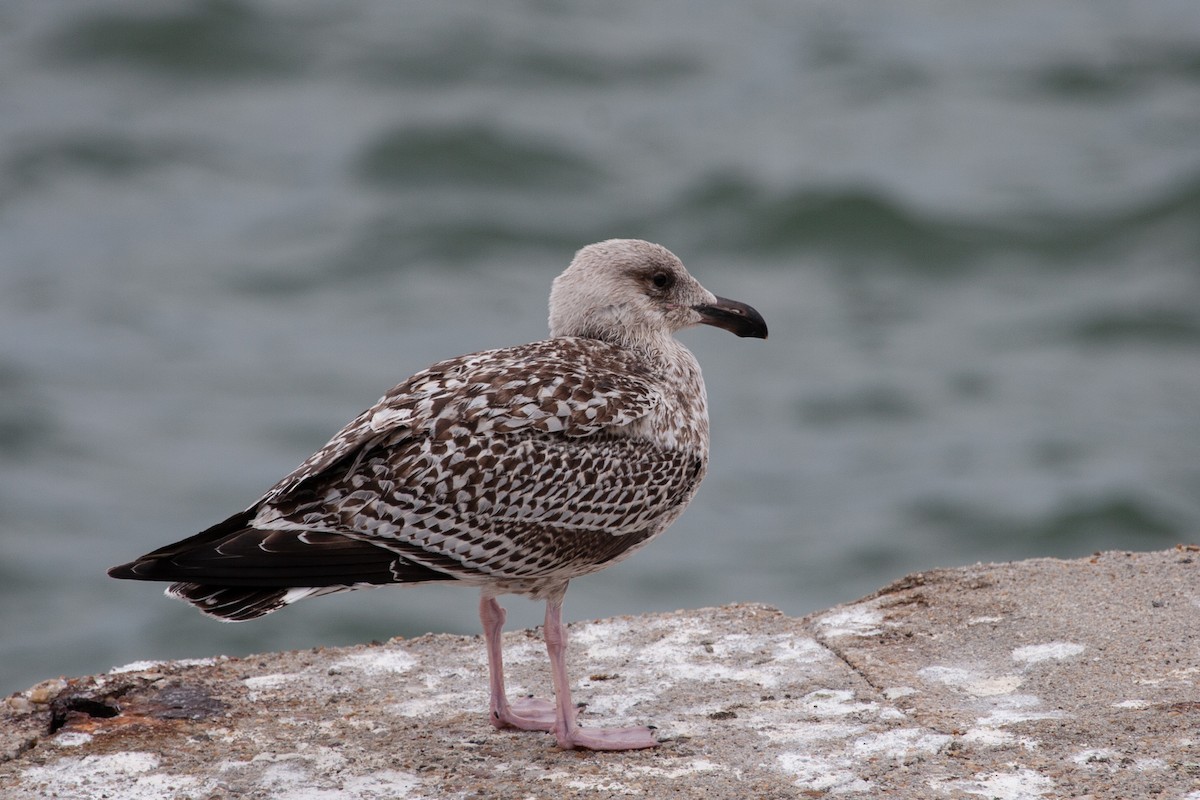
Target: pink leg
{"x":566,"y":729}
{"x":526,"y":714}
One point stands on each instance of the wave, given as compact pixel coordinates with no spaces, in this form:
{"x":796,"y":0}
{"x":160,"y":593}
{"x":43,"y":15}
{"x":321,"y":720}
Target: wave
{"x":1117,"y":520}
{"x":214,"y":38}
{"x":469,"y":155}
{"x":865,"y":223}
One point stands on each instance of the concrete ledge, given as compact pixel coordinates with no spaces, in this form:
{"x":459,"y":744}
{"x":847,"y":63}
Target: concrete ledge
{"x":1041,"y":678}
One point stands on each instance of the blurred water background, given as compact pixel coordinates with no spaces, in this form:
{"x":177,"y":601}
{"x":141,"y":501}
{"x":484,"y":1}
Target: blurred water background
{"x":227,"y":226}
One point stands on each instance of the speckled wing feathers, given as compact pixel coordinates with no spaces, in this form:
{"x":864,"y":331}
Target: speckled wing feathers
{"x":510,"y":465}
{"x":578,"y":387}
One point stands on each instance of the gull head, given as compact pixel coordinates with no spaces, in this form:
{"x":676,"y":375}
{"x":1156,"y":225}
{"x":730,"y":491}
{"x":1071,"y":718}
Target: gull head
{"x":631,"y":292}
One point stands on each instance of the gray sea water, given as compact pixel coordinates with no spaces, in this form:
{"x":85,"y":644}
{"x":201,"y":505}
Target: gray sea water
{"x":227,"y":226}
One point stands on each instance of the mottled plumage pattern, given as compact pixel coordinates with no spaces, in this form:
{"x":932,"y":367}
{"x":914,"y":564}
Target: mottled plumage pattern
{"x":514,"y":469}
{"x":532,"y":464}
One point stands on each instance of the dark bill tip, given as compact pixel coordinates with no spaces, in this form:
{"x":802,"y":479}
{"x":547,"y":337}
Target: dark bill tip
{"x":737,"y":318}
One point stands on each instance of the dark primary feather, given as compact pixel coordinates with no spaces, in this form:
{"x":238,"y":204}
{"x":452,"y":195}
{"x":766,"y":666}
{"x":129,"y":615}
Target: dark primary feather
{"x":233,"y":554}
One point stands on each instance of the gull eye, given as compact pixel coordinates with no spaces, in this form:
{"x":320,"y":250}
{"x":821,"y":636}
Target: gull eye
{"x":662,"y":280}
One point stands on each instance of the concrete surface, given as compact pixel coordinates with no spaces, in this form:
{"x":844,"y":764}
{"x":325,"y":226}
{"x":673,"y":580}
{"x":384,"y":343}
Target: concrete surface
{"x":1041,"y":678}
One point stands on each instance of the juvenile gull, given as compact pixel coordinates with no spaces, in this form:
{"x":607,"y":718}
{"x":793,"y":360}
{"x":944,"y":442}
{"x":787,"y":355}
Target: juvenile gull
{"x":514,"y":470}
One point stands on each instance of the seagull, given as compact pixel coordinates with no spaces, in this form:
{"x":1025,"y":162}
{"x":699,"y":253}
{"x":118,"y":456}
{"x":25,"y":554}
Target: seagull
{"x":513,"y":470}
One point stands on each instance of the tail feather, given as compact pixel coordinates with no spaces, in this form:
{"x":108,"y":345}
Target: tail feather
{"x":241,"y":603}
